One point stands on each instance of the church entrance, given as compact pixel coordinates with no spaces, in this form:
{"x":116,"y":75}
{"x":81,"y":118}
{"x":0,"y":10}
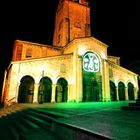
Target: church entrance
{"x":91,"y":88}
{"x":61,"y":90}
{"x":112,"y":91}
{"x":45,"y":90}
{"x":26,"y":90}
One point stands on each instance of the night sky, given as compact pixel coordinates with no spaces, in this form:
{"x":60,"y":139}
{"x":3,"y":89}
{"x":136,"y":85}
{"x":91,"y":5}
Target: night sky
{"x":114,"y":22}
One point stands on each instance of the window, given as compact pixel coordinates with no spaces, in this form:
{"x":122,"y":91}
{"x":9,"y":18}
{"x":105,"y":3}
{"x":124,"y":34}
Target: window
{"x":28,"y":53}
{"x":19,"y":52}
{"x":87,"y":29}
{"x":62,"y":68}
{"x":76,"y":0}
{"x":60,"y":25}
{"x":59,"y":38}
{"x":77,"y":23}
{"x":61,"y":1}
{"x":91,"y":62}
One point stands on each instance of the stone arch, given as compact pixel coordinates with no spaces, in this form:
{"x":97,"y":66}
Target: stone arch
{"x":64,"y":76}
{"x":26,"y":74}
{"x":26,"y":89}
{"x":121,"y":91}
{"x":113,"y":95}
{"x":61,"y":90}
{"x":130,"y":91}
{"x":45,"y":90}
{"x":50,"y":76}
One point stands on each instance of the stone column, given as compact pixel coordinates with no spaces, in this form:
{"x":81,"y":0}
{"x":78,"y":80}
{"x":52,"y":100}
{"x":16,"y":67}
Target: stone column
{"x":100,"y":91}
{"x":105,"y":82}
{"x":35,"y":98}
{"x":126,"y":93}
{"x":117,"y":94}
{"x":53,"y":93}
{"x":136,"y":87}
{"x":79,"y":83}
{"x":74,"y":78}
{"x":17,"y":92}
{"x":135,"y":93}
{"x":69,"y":93}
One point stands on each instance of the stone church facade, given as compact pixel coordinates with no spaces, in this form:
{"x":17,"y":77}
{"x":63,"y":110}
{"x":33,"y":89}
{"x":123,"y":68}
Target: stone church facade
{"x":76,"y":68}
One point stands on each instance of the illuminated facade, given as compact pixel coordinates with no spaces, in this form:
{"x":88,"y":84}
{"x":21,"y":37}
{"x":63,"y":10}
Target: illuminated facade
{"x":76,"y":68}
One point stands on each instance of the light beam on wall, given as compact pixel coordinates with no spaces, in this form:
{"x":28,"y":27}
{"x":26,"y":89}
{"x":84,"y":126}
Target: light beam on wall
{"x":81,"y":51}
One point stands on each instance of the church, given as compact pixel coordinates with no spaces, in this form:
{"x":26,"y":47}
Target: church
{"x":76,"y":68}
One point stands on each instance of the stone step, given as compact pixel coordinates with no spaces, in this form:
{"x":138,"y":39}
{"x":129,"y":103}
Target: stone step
{"x":38,"y":134}
{"x":17,"y":125}
{"x":36,"y":124}
{"x":39,"y":116}
{"x":22,"y":123}
{"x":4,"y":135}
{"x":136,"y":108}
{"x":133,"y":104}
{"x":47,"y":113}
{"x":14,"y":126}
{"x":38,"y":121}
{"x":138,"y":101}
{"x":12,"y":109}
{"x":28,"y":124}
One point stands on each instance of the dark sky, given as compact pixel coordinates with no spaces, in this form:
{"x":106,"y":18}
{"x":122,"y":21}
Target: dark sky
{"x":114,"y":22}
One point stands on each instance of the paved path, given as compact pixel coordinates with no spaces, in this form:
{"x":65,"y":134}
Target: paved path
{"x":104,"y":118}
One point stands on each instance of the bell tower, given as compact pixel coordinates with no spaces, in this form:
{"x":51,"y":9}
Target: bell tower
{"x":72,"y":21}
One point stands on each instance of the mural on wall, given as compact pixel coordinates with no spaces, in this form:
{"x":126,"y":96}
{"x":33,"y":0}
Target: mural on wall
{"x":91,"y":62}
